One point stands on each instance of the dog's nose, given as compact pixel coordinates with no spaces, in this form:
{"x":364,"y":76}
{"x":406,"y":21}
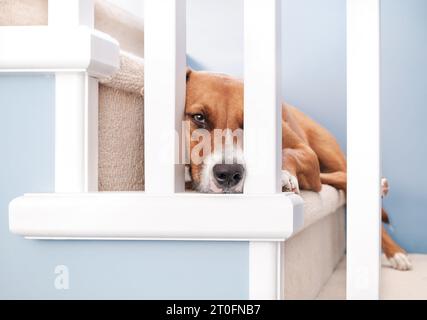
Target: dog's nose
{"x":228,"y":175}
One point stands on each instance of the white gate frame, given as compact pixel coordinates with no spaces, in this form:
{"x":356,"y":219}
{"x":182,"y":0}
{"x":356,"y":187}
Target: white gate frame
{"x":79,"y":56}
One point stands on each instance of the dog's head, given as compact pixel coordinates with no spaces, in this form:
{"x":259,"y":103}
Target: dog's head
{"x":214,"y":109}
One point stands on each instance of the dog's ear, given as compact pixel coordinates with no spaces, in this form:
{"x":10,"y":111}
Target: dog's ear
{"x":188,"y":73}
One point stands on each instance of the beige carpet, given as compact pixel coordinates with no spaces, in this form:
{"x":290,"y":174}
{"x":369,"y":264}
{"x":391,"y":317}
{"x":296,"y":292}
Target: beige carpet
{"x":395,"y":285}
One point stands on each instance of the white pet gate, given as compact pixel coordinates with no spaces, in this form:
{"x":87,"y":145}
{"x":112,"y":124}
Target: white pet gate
{"x":79,"y":56}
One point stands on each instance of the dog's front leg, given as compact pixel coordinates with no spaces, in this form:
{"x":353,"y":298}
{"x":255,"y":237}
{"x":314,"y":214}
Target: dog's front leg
{"x":395,"y":254}
{"x":300,"y":165}
{"x":300,"y":170}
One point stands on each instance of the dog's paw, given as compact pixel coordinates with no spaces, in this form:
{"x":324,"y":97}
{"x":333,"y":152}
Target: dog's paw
{"x":289,"y":182}
{"x":384,"y":187}
{"x":400,"y":261}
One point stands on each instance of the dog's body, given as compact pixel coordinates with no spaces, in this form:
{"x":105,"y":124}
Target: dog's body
{"x":311,"y":155}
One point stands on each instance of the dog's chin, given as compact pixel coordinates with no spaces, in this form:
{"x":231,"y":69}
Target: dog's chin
{"x":212,"y":187}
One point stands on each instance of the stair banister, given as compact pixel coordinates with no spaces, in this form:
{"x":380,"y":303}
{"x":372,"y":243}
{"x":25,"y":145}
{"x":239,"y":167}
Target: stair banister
{"x":163,"y":212}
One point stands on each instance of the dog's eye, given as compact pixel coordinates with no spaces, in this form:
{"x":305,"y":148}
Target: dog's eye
{"x":199,"y":118}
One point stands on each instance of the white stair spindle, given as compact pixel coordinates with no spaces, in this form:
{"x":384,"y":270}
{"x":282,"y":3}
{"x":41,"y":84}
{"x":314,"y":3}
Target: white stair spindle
{"x":165,"y":83}
{"x":71,"y":13}
{"x":263,"y":112}
{"x":363,"y":149}
{"x":263,"y":133}
{"x":76,"y":109}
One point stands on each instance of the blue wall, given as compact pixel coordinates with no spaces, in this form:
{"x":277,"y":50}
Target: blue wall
{"x":98,"y":270}
{"x":404,"y":113}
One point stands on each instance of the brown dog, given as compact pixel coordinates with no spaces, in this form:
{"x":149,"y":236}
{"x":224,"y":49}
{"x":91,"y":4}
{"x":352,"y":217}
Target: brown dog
{"x":311,"y":155}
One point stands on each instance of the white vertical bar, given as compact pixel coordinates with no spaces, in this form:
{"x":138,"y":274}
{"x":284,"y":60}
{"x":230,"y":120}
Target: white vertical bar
{"x":71,"y":13}
{"x":263,"y":134}
{"x":363,"y":149}
{"x":76,"y":133}
{"x":165,"y":83}
{"x":76,"y":109}
{"x":265,"y":270}
{"x":281,"y":271}
{"x":263,"y":111}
